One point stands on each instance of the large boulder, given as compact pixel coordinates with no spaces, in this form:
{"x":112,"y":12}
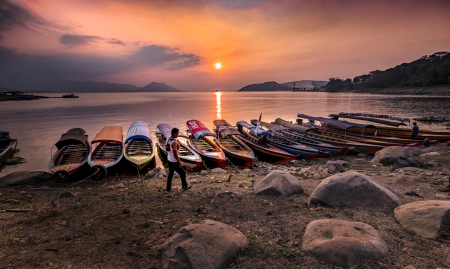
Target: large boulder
{"x":390,"y":155}
{"x":343,"y":242}
{"x":354,"y":189}
{"x":24,"y":177}
{"x":209,"y":244}
{"x":446,"y":117}
{"x":278,"y":183}
{"x":430,"y":219}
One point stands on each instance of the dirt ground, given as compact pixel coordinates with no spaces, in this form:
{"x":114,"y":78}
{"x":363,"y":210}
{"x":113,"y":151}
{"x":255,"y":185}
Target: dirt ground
{"x":121,"y":221}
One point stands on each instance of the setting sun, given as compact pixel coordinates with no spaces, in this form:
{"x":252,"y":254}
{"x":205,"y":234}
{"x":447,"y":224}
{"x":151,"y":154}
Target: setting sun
{"x":218,"y":66}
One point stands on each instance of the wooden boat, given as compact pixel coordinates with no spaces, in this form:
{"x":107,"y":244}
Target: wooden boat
{"x":289,"y":145}
{"x":188,"y":157}
{"x":138,"y":146}
{"x":7,"y":146}
{"x":265,"y":151}
{"x":229,"y":141}
{"x":202,"y":141}
{"x":71,"y":155}
{"x":294,"y":134}
{"x":107,"y":150}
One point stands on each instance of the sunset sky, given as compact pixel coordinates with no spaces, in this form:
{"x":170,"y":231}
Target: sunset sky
{"x":179,"y":42}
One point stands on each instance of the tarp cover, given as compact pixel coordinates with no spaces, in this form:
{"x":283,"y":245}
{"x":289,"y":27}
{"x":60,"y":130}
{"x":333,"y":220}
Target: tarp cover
{"x":375,"y":116}
{"x":225,"y":129}
{"x":74,"y":136}
{"x":198,"y":129}
{"x":270,"y":126}
{"x":109,"y":134}
{"x":166,"y":130}
{"x":295,"y":127}
{"x":253,"y":129}
{"x":336,"y":123}
{"x":386,"y":122}
{"x":138,"y":129}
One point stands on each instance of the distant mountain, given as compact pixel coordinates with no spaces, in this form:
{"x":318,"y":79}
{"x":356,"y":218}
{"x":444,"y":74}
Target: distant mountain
{"x":158,"y":87}
{"x":266,"y":86}
{"x":316,"y":84}
{"x":274,"y":86}
{"x":74,"y":86}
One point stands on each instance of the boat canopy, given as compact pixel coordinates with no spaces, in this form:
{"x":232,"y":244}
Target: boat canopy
{"x":225,"y":129}
{"x":375,"y":116}
{"x":109,"y":134}
{"x":166,"y":130}
{"x":75,"y":136}
{"x":295,"y":127}
{"x":337,"y":123}
{"x":390,"y":123}
{"x":198,"y":129}
{"x":138,"y":129}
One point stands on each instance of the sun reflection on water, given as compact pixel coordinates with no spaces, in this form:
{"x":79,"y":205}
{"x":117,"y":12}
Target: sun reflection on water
{"x":218,"y":106}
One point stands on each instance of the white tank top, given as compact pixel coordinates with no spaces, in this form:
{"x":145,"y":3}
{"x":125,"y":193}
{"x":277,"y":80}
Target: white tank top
{"x":170,"y":156}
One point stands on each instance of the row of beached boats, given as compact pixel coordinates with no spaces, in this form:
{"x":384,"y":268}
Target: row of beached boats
{"x":280,"y":141}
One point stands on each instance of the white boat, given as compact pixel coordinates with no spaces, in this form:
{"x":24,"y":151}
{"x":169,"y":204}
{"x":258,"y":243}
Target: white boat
{"x":138,"y":146}
{"x":7,"y":146}
{"x":107,"y":150}
{"x":188,"y":157}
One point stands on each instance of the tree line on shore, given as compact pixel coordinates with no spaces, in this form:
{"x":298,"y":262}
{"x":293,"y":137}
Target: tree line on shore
{"x":428,"y":71}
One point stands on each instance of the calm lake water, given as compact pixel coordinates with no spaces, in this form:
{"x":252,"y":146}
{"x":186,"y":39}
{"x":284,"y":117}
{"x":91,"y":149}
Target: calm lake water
{"x":38,"y":124}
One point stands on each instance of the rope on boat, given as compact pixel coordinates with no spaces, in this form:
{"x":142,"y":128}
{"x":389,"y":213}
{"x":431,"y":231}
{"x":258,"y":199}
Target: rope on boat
{"x":229,"y":162}
{"x":98,"y":170}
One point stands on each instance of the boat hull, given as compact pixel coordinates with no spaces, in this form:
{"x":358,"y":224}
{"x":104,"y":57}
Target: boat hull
{"x":212,"y":158}
{"x":8,"y":151}
{"x":268,"y":152}
{"x":237,"y":157}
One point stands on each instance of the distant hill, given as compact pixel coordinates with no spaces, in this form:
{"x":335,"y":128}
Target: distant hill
{"x":157,"y":87}
{"x":73,"y":86}
{"x":274,"y":86}
{"x":428,"y":71}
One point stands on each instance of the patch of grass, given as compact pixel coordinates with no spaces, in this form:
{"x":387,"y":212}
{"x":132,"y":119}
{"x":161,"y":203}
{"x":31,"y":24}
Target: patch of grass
{"x":14,"y":239}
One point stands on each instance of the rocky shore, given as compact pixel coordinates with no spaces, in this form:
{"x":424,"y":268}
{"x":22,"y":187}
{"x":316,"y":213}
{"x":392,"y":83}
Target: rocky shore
{"x":382,"y":211}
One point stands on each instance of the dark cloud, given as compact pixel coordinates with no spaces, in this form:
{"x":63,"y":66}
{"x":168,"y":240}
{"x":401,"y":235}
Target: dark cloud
{"x":80,"y":40}
{"x":76,"y":40}
{"x":115,"y":42}
{"x":12,"y":14}
{"x":15,"y":66}
{"x":154,"y":55}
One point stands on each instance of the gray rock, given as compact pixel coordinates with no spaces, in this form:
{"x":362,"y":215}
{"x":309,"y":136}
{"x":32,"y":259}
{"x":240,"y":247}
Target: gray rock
{"x":334,"y":167}
{"x":317,"y":176}
{"x":66,"y":194}
{"x":437,"y":118}
{"x":427,"y":118}
{"x":402,"y":162}
{"x":278,"y":183}
{"x":24,"y":177}
{"x":409,"y":267}
{"x":354,"y":189}
{"x":390,"y":155}
{"x":14,"y":160}
{"x":359,"y":160}
{"x":430,"y":219}
{"x":405,"y":179}
{"x":446,"y":117}
{"x":209,"y":244}
{"x":218,"y":171}
{"x":155,"y":172}
{"x":343,"y":242}
{"x":343,"y":163}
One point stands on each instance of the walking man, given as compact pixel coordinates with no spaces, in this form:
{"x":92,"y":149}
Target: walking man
{"x":174,"y":161}
{"x":415,"y":130}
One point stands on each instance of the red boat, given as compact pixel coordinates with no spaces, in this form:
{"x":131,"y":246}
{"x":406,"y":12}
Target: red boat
{"x":203,"y":141}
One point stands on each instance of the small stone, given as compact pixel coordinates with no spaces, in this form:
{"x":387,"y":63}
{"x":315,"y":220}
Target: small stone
{"x":218,"y":171}
{"x":66,"y":195}
{"x":269,"y":213}
{"x":71,"y":237}
{"x":265,"y":202}
{"x":126,"y":211}
{"x":409,"y":267}
{"x":241,"y":185}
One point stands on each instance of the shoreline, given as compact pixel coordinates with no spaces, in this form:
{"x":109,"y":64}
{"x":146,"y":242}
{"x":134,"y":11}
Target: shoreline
{"x":123,"y":220}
